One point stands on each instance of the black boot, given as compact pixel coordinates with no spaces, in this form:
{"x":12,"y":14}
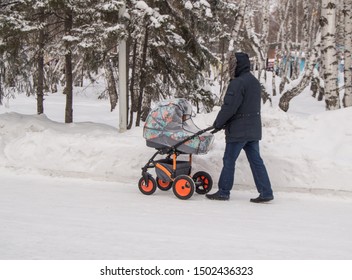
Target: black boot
{"x":218,"y":196}
{"x":260,"y":199}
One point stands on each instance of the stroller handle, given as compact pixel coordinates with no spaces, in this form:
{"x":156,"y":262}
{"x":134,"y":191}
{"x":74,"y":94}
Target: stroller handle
{"x":195,"y":135}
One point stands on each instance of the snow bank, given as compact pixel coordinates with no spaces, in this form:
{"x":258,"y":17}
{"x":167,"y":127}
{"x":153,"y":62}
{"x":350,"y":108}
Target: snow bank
{"x":302,"y":152}
{"x":84,"y":149}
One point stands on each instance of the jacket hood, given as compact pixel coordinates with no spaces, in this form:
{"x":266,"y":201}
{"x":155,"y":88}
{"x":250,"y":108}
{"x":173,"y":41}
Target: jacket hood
{"x":243,"y":64}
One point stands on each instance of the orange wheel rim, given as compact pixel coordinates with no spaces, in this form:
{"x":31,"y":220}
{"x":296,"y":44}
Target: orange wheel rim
{"x":163,"y":184}
{"x":204,"y":180}
{"x":182,"y":187}
{"x":145,"y":187}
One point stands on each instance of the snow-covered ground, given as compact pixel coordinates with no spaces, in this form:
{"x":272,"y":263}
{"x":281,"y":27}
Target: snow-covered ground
{"x":70,"y":191}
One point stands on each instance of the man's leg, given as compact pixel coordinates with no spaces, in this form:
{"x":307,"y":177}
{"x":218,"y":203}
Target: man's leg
{"x":227,"y":175}
{"x":259,"y":172}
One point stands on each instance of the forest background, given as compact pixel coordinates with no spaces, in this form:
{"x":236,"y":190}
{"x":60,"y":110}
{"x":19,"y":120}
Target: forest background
{"x":175,"y":48}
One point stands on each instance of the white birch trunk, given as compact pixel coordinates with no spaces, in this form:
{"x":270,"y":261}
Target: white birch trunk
{"x":232,"y":45}
{"x":288,"y":45}
{"x":328,"y":24}
{"x":256,"y":46}
{"x":347,"y":98}
{"x":305,"y":41}
{"x":283,"y":17}
{"x":264,"y":40}
{"x":238,"y":23}
{"x":297,"y":47}
{"x":311,"y":59}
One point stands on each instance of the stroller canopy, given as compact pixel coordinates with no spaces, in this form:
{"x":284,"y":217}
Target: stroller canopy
{"x":169,"y":123}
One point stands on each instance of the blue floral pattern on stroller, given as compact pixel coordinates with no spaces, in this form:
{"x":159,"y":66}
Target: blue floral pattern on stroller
{"x":169,"y":129}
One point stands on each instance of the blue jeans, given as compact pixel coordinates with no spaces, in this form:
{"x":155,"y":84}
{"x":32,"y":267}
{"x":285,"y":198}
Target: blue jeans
{"x":259,"y":172}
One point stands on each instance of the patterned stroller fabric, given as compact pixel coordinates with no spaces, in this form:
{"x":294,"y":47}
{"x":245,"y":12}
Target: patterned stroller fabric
{"x":170,"y":123}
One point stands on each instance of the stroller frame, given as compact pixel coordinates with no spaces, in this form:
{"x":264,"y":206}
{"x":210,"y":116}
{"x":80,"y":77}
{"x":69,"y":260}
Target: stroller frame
{"x":173,"y":173}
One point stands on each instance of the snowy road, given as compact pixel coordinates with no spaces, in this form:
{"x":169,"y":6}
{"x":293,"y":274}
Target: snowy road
{"x":63,"y":218}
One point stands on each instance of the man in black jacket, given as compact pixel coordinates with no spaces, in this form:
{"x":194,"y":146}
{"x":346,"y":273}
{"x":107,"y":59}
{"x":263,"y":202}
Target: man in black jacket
{"x":240,"y":117}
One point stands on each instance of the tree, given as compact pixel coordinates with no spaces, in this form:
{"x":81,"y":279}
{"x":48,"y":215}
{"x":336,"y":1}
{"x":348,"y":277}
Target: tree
{"x":68,"y":19}
{"x":330,"y":67}
{"x":286,"y":47}
{"x":40,"y":62}
{"x":234,"y":42}
{"x":347,"y":11}
{"x":311,"y":56}
{"x":170,"y":58}
{"x":16,"y":51}
{"x":259,"y":46}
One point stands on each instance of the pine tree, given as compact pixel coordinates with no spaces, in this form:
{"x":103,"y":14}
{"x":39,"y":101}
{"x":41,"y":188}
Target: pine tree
{"x":16,"y":50}
{"x":169,"y":54}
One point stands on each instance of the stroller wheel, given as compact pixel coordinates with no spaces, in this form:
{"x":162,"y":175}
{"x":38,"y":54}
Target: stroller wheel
{"x":203,"y":182}
{"x":163,"y":185}
{"x":183,"y":187}
{"x":147,"y":188}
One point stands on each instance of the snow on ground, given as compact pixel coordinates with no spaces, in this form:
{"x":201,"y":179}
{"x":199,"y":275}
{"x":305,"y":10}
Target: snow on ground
{"x":65,"y":218}
{"x":69,"y":191}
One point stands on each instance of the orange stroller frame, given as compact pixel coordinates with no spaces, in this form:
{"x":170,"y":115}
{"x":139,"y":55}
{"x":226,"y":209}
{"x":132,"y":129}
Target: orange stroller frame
{"x":174,"y":173}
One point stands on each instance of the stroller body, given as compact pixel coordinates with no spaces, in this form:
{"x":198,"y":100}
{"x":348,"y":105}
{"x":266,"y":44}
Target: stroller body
{"x":169,"y":129}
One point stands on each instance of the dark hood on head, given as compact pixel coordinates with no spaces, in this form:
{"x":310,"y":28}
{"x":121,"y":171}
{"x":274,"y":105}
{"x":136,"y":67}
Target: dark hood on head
{"x":243,"y":64}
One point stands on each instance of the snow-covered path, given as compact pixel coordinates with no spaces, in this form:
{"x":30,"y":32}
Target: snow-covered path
{"x":46,"y":217}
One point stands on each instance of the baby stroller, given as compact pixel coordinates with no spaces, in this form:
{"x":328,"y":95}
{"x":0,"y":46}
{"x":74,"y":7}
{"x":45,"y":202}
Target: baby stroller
{"x":170,"y":130}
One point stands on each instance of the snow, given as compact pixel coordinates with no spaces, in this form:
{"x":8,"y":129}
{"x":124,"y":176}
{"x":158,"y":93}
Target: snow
{"x":188,"y":5}
{"x":141,"y":5}
{"x":69,"y":191}
{"x":70,"y":38}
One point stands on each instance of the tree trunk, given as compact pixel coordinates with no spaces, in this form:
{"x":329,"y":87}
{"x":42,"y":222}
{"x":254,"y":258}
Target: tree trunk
{"x":297,"y":48}
{"x":283,"y":17}
{"x":68,"y":70}
{"x":232,"y":46}
{"x":133,"y":101}
{"x":273,"y":82}
{"x":312,"y":58}
{"x":109,"y":72}
{"x":40,"y":82}
{"x":222,"y":69}
{"x":142,"y":76}
{"x":347,"y":98}
{"x":287,"y":48}
{"x":256,"y":45}
{"x":328,"y":24}
{"x":1,"y":89}
{"x":146,"y":107}
{"x":314,"y":86}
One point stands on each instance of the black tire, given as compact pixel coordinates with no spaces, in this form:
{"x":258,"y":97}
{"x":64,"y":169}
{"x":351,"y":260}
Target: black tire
{"x":183,"y":187}
{"x":203,"y":182}
{"x":163,"y":185}
{"x":147,"y":188}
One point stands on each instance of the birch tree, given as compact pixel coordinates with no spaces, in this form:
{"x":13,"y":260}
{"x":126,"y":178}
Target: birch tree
{"x":287,"y":45}
{"x":234,"y":44}
{"x":347,"y":98}
{"x":329,"y":54}
{"x":258,"y":46}
{"x":311,"y":56}
{"x":297,"y":46}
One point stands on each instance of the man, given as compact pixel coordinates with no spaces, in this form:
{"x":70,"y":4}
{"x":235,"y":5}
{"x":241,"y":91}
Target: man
{"x":240,"y":117}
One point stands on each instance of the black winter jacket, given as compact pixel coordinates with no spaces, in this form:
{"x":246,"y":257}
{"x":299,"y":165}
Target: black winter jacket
{"x":240,"y":112}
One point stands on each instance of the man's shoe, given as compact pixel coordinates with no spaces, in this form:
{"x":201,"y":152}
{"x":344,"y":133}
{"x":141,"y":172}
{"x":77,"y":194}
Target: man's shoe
{"x":218,"y":196}
{"x":260,"y":199}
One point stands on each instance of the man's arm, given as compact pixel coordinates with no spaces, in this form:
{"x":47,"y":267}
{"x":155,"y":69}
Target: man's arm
{"x":232,"y":101}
